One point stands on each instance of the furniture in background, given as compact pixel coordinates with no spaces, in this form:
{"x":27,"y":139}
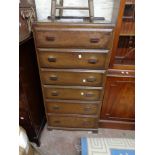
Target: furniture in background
{"x":73,"y":59}
{"x":118,"y":109}
{"x":27,"y":14}
{"x":54,"y":6}
{"x":76,"y":77}
{"x":31,"y":109}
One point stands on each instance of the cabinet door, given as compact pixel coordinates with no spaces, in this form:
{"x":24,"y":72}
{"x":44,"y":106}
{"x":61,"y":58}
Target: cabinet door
{"x":119,"y":99}
{"x":123,"y":52}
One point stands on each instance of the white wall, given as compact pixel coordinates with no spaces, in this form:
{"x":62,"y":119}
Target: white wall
{"x":103,"y":8}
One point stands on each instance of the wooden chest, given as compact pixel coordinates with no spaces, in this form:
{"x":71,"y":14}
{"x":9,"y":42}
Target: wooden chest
{"x":72,"y":60}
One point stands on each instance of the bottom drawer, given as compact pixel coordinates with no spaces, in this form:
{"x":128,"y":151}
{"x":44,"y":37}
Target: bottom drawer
{"x":72,"y":122}
{"x":85,"y":108}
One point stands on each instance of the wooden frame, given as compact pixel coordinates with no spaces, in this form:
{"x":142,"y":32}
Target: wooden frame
{"x":117,"y":36}
{"x":90,"y":8}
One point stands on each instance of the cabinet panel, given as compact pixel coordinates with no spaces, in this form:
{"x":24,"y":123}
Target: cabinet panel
{"x":125,"y":53}
{"x":31,"y":109}
{"x":119,"y":99}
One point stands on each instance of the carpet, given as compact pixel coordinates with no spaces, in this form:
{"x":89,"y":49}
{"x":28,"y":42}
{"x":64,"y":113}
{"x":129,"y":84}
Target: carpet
{"x":61,"y":142}
{"x":107,"y":146}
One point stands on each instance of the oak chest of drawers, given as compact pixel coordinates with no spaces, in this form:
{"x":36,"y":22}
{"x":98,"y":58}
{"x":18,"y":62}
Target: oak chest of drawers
{"x":72,"y":60}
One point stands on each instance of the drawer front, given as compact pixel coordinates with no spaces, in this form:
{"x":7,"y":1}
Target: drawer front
{"x":121,"y":73}
{"x":72,"y":94}
{"x":72,"y":122}
{"x":72,"y":60}
{"x":78,"y":38}
{"x":72,"y":108}
{"x":72,"y":78}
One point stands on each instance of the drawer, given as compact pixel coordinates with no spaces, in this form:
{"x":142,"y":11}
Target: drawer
{"x":71,"y":77}
{"x":72,"y":122}
{"x":72,"y":108}
{"x":72,"y":93}
{"x":74,"y":37}
{"x":121,"y":73}
{"x":73,"y":59}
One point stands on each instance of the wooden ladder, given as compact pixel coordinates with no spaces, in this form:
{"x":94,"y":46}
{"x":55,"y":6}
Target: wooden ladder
{"x":54,"y":6}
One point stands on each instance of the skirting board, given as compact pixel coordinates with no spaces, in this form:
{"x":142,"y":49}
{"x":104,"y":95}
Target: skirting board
{"x":117,"y":125}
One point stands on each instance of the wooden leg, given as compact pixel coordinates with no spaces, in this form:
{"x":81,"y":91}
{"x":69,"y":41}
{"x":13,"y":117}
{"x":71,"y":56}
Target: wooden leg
{"x":91,"y":10}
{"x":61,"y":10}
{"x":53,"y":10}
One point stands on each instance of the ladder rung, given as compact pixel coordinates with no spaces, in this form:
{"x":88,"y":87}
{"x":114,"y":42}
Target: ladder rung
{"x":72,"y":8}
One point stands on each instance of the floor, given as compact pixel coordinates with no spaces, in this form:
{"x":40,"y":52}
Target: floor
{"x":59,"y":142}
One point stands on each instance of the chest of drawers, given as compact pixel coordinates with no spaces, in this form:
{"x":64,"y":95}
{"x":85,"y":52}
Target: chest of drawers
{"x":72,"y":60}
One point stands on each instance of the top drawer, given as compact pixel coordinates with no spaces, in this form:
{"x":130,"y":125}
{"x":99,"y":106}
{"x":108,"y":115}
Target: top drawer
{"x":74,"y":37}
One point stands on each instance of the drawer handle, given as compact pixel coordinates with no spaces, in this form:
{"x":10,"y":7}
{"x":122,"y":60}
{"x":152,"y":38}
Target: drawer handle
{"x":91,"y":79}
{"x":50,"y":38}
{"x":55,"y":107}
{"x":52,"y":59}
{"x":86,"y":123}
{"x":92,"y":61}
{"x":55,"y":93}
{"x":89,"y":94}
{"x":94,"y":40}
{"x":53,"y":77}
{"x":57,"y":122}
{"x":87,"y":109}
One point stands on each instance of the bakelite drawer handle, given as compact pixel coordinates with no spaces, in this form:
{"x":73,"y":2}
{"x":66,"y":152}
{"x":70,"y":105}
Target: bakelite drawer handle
{"x":86,"y":123}
{"x":52,"y":59}
{"x":92,"y":61}
{"x":55,"y":107}
{"x":57,"y":122}
{"x":89,"y":94}
{"x":50,"y":38}
{"x":94,"y":40}
{"x":55,"y":93}
{"x":91,"y":79}
{"x":53,"y":77}
{"x":87,"y":109}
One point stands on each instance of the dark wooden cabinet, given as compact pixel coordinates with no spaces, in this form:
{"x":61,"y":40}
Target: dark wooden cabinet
{"x":118,"y":108}
{"x":72,"y":71}
{"x":123,"y":52}
{"x":31,"y":109}
{"x":119,"y":102}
